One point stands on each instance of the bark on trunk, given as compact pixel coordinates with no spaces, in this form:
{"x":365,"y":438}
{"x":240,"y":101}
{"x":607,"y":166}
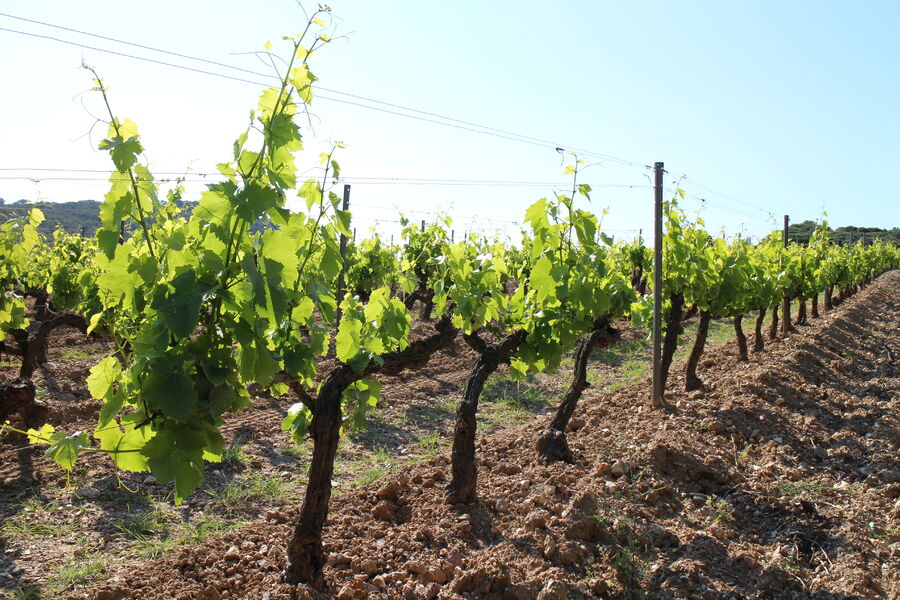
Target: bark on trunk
{"x":758,"y":343}
{"x":690,"y":313}
{"x":773,"y":329}
{"x":18,"y":397}
{"x":36,"y":351}
{"x":552,"y":444}
{"x":305,"y":554}
{"x":691,"y":381}
{"x":670,"y":341}
{"x":828,"y":291}
{"x":801,"y":311}
{"x":427,"y":305}
{"x":741,"y":340}
{"x":464,"y":471}
{"x":786,"y":324}
{"x":815,"y":306}
{"x":41,"y":304}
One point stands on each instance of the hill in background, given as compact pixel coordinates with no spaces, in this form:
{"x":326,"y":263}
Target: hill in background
{"x":83,"y":217}
{"x":801,"y":232}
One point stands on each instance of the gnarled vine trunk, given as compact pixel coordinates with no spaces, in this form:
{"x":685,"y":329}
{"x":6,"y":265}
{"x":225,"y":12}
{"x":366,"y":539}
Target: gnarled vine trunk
{"x":35,"y":351}
{"x":741,"y":340}
{"x":690,"y":313}
{"x":41,"y":304}
{"x":305,"y":554}
{"x":18,"y":397}
{"x":786,"y":324}
{"x":801,"y":311}
{"x":758,"y":343}
{"x":670,"y":341}
{"x":552,"y":444}
{"x":773,"y":329}
{"x":815,"y":306}
{"x":423,"y":294}
{"x":828,"y":291}
{"x":691,"y":381}
{"x":463,"y":485}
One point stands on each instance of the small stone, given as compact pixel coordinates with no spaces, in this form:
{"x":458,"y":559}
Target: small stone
{"x":352,"y":591}
{"x":232,"y":553}
{"x":416,"y":567}
{"x":383,"y":511}
{"x":367,"y":566}
{"x":435,"y":576}
{"x":554,"y":590}
{"x":600,"y":588}
{"x":536,"y":520}
{"x":575,"y":424}
{"x":339,"y":560}
{"x":149,"y":480}
{"x":88,"y":493}
{"x":717,"y":427}
{"x":454,"y":557}
{"x":620,"y":467}
{"x":548,"y":548}
{"x":509,"y":468}
{"x":501,"y":505}
{"x":209,"y":593}
{"x":390,"y":491}
{"x":568,"y":553}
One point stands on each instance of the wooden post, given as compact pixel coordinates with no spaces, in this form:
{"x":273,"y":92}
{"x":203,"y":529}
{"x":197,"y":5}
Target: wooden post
{"x":786,"y":305}
{"x":343,"y":243}
{"x":657,"y":286}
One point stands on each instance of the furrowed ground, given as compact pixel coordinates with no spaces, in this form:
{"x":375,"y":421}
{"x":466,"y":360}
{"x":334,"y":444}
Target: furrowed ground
{"x":779,"y":480}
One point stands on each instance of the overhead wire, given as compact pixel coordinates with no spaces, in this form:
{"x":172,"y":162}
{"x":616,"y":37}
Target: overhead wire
{"x":420,"y":115}
{"x":445,"y":120}
{"x":192,"y":177}
{"x":715,"y":204}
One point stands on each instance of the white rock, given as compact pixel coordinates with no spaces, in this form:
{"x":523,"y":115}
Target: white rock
{"x":88,"y":493}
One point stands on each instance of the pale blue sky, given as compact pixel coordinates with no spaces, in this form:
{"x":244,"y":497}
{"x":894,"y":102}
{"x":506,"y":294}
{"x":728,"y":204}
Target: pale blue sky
{"x":788,"y":107}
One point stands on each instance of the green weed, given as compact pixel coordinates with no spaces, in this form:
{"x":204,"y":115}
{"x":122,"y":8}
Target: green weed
{"x":36,"y":518}
{"x":74,"y":354}
{"x":234,"y":455}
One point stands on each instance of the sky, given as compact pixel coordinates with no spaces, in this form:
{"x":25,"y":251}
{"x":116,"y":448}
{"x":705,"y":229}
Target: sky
{"x":757,"y":109}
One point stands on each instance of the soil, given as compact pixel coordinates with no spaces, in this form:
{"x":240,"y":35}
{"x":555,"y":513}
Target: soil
{"x":780,"y":478}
